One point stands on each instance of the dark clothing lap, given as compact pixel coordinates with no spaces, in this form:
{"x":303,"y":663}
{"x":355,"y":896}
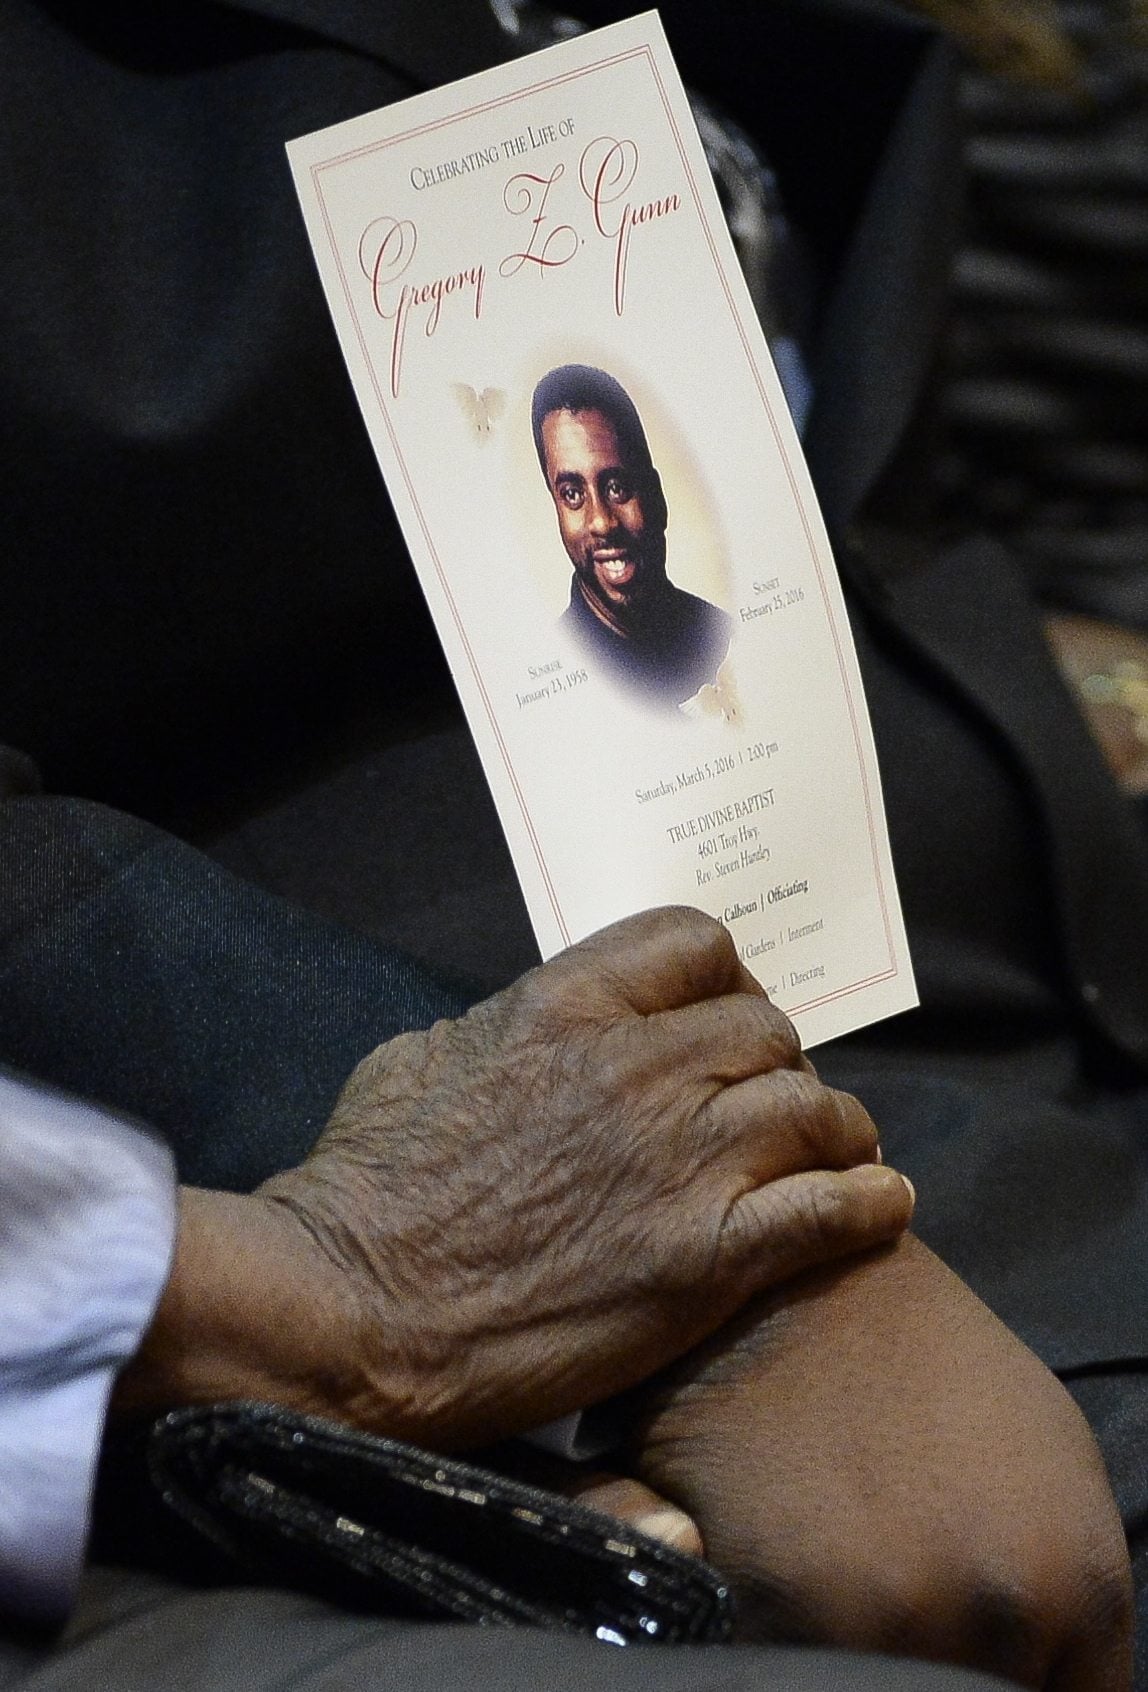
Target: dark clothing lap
{"x":135,"y":1633}
{"x":136,"y":971}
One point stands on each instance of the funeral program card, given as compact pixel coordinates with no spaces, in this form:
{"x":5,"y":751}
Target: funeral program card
{"x":585,"y":441}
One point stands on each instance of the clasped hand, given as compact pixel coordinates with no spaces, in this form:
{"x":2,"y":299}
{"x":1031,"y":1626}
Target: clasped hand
{"x":525,"y":1211}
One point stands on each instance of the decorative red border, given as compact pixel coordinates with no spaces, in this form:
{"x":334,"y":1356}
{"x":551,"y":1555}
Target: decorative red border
{"x":317,"y":171}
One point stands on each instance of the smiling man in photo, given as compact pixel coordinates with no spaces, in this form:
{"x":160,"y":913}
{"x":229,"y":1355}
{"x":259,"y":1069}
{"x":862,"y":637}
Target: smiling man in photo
{"x":624,"y":611}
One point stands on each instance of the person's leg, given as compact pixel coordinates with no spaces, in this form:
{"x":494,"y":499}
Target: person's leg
{"x":135,"y":971}
{"x":134,"y":1633}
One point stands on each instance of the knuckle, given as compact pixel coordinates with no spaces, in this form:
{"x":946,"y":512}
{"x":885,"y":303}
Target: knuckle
{"x":809,"y":1215}
{"x":825,"y":1212}
{"x":696,"y":925}
{"x":738,"y":1236}
{"x":832,"y":1128}
{"x":678,"y":926}
{"x":856,"y":1127}
{"x":543,"y":1006}
{"x":703,"y":938}
{"x":531,"y":996}
{"x":375,"y":1071}
{"x":784,"y":1038}
{"x":810,"y":1120}
{"x":777,"y":1043}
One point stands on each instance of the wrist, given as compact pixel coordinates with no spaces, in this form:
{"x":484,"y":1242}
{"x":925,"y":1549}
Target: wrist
{"x":251,"y":1309}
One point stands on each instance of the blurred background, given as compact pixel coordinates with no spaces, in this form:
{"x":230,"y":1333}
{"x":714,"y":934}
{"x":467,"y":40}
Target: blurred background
{"x":1045,"y":371}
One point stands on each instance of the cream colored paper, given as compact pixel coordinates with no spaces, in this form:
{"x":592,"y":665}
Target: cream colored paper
{"x":558,"y":210}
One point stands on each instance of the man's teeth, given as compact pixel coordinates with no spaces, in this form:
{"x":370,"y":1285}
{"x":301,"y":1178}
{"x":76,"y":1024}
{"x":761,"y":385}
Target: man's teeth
{"x":614,"y":568}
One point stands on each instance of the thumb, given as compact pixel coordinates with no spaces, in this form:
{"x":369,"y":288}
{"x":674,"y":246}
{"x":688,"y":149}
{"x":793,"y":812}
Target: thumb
{"x":804,"y":1221}
{"x":631,"y":1502}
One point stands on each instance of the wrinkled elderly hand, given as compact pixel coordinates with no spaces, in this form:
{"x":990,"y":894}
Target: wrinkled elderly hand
{"x":878,"y":1463}
{"x":524,"y":1211}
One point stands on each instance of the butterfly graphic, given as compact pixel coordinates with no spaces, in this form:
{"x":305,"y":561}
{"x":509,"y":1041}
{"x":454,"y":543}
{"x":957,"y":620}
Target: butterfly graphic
{"x":717,"y":698}
{"x":481,"y":411}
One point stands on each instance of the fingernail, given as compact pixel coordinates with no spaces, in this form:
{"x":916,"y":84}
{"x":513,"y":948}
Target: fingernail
{"x":878,"y":1173}
{"x":673,"y":1528}
{"x":878,"y":1155}
{"x":912,"y":1189}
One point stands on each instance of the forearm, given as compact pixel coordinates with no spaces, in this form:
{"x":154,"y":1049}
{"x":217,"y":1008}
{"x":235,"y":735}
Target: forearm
{"x":878,"y":1463}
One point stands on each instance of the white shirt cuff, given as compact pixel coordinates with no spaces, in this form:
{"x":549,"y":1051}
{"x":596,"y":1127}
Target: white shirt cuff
{"x":87,"y":1226}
